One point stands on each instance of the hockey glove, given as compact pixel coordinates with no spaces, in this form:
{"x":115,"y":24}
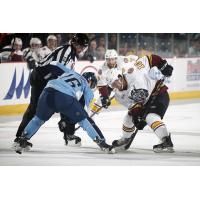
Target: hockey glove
{"x":31,"y":63}
{"x":105,"y":101}
{"x":165,"y":68}
{"x":139,"y":123}
{"x":138,"y":95}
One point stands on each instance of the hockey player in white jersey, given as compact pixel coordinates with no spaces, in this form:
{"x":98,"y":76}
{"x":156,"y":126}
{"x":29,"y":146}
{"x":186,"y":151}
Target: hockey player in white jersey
{"x":134,"y":90}
{"x":33,"y":52}
{"x":51,"y":46}
{"x":112,"y":66}
{"x":62,"y":95}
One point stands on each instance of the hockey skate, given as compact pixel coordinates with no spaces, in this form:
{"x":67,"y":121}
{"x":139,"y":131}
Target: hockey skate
{"x":165,"y":146}
{"x":120,"y":145}
{"x":16,"y":144}
{"x":72,"y":140}
{"x":23,"y":145}
{"x":104,"y":146}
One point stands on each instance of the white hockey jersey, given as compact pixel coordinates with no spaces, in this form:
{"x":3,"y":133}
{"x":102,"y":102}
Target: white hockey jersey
{"x":142,"y":77}
{"x":44,"y":51}
{"x":107,"y":75}
{"x":5,"y":54}
{"x":33,"y":53}
{"x":37,"y":54}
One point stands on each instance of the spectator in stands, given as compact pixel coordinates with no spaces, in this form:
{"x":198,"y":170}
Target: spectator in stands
{"x":59,"y":39}
{"x":69,"y":36}
{"x":34,"y":50}
{"x":123,"y":49}
{"x":101,"y":49}
{"x":176,"y":52}
{"x":52,"y":42}
{"x":194,"y":50}
{"x":91,"y":36}
{"x":101,"y":53}
{"x":12,"y":52}
{"x":131,"y":52}
{"x":3,"y":37}
{"x":102,"y":42}
{"x":51,"y":45}
{"x":112,"y":43}
{"x":92,"y":51}
{"x":180,"y":51}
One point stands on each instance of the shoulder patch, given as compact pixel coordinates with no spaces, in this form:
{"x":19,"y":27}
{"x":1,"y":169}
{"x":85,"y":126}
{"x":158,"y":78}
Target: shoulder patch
{"x":126,"y":60}
{"x":130,"y":70}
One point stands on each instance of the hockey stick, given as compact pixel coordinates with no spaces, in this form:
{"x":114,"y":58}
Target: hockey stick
{"x":153,"y":97}
{"x":94,"y":113}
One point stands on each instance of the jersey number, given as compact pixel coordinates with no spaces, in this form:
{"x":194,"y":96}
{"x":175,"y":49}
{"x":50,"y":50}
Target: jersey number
{"x":74,"y":82}
{"x":139,"y":65}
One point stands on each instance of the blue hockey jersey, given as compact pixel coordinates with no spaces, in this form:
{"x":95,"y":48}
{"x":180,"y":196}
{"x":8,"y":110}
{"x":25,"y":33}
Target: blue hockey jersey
{"x":73,"y":84}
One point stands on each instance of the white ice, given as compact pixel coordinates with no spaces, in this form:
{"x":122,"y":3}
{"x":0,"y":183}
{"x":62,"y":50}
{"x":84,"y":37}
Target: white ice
{"x":182,"y":120}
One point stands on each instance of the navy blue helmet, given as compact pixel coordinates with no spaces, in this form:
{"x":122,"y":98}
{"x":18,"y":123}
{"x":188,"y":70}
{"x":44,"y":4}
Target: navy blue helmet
{"x":91,"y":78}
{"x":80,"y":39}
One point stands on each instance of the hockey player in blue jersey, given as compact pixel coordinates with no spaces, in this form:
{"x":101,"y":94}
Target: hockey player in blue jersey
{"x":62,"y":95}
{"x":46,"y":70}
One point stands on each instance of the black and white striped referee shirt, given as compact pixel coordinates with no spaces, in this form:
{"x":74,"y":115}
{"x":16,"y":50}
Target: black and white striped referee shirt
{"x":64,"y":54}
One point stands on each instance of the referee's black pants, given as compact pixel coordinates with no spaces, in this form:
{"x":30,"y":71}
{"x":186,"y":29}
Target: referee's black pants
{"x":37,"y":86}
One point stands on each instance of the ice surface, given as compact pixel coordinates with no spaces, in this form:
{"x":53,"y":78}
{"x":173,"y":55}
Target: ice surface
{"x":182,"y":120}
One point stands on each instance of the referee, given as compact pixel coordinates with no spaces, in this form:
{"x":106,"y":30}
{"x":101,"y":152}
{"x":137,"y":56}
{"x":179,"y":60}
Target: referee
{"x":43,"y":71}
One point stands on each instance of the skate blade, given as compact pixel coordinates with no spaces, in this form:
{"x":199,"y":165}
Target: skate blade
{"x":167,"y":150}
{"x":15,"y":145}
{"x":73,"y":144}
{"x":19,"y":150}
{"x":120,"y":148}
{"x":109,"y":151}
{"x":28,"y":148}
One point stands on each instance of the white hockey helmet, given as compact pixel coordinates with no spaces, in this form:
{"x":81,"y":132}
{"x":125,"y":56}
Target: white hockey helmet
{"x":111,"y":53}
{"x":16,"y":41}
{"x":35,"y":41}
{"x":51,"y":37}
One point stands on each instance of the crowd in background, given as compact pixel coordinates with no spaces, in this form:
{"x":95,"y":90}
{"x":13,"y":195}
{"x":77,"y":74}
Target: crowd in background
{"x":167,"y":45}
{"x":16,"y":47}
